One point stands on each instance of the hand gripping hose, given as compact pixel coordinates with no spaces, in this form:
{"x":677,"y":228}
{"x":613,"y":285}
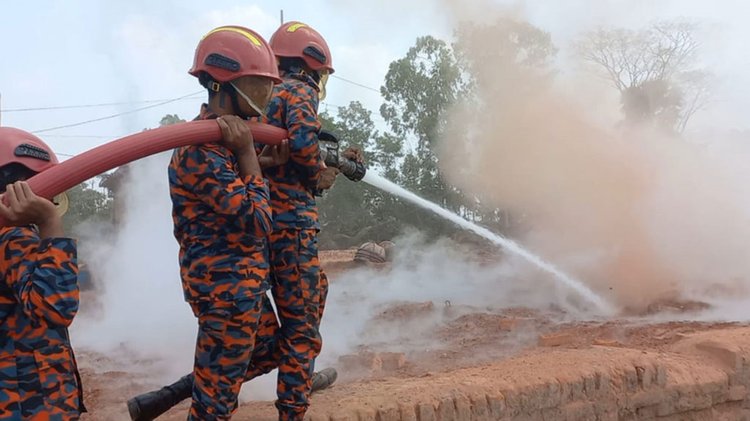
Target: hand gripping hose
{"x":101,"y":159}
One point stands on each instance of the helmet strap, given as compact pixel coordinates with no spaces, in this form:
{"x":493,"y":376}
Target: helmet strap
{"x":222,"y":96}
{"x":249,"y":101}
{"x":227,"y":90}
{"x":230,"y":90}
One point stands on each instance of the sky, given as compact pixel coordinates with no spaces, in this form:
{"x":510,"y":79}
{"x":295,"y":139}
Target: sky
{"x":82,"y":52}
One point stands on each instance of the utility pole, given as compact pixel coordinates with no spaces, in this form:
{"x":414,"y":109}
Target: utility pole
{"x":281,"y":15}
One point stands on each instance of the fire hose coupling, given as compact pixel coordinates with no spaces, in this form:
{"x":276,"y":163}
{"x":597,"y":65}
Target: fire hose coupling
{"x":329,"y":152}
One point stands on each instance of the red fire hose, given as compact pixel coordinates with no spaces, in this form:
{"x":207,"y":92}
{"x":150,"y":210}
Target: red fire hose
{"x":80,"y":168}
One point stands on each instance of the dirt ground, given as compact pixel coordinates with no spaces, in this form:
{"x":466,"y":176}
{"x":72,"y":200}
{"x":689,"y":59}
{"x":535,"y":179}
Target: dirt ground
{"x":477,"y":346}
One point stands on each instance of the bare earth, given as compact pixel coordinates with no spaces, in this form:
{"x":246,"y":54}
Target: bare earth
{"x":505,"y":364}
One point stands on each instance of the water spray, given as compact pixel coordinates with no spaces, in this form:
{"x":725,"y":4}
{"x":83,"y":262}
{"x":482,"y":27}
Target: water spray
{"x":111,"y":155}
{"x":601,"y":304}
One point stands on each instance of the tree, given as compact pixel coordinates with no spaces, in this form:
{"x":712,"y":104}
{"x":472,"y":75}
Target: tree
{"x":418,"y":90}
{"x":653,"y":69}
{"x":170,"y":119}
{"x":86,"y":204}
{"x":353,"y":213}
{"x":505,"y":43}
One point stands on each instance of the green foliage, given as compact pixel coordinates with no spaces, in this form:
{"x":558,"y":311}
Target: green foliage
{"x":87,"y":204}
{"x":170,"y":119}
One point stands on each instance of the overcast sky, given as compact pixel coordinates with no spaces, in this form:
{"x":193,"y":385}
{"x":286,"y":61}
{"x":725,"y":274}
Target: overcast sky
{"x":77,"y":52}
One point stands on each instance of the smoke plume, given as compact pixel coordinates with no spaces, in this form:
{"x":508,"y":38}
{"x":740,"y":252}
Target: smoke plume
{"x":641,"y":215}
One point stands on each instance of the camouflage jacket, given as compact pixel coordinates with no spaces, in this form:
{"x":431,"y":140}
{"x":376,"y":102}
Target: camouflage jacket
{"x":221,"y":222}
{"x":294,"y":107}
{"x":38,"y":299}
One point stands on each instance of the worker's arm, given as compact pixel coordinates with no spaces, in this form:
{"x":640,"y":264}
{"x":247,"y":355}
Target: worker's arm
{"x":42,"y":273}
{"x":303,"y":126}
{"x":209,"y":173}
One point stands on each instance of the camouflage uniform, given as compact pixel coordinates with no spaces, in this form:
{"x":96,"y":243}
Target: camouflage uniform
{"x":221,"y":221}
{"x":39,"y":297}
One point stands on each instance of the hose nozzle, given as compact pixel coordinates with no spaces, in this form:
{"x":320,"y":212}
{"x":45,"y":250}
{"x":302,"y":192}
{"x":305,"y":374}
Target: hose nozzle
{"x":329,"y":151}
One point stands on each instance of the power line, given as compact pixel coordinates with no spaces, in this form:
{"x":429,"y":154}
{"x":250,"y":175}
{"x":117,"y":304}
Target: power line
{"x":104,"y":104}
{"x":81,"y":123}
{"x":155,"y":103}
{"x":83,"y":136}
{"x":336,"y":108}
{"x":356,"y":84}
{"x":145,"y":101}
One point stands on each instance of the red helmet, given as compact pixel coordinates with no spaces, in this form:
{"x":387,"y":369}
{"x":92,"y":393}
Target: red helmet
{"x":20,"y":147}
{"x":230,"y":52}
{"x":296,"y":39}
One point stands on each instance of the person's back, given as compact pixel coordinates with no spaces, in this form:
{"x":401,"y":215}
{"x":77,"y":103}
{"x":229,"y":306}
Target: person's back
{"x":298,"y":285}
{"x":39,"y":292}
{"x":293,"y":106}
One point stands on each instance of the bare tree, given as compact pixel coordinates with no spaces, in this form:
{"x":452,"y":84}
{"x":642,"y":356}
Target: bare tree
{"x":696,"y":94}
{"x":651,"y":68}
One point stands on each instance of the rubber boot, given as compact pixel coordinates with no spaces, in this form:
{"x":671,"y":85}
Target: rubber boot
{"x":148,"y":406}
{"x":324,"y":379}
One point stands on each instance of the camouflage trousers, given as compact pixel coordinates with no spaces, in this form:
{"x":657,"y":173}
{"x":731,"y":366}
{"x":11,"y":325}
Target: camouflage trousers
{"x":299,"y":290}
{"x":226,"y":339}
{"x":42,"y":384}
{"x":266,"y":353}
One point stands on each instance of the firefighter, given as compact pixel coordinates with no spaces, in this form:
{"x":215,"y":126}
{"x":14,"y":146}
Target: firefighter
{"x":298,"y":286}
{"x":39,"y":293}
{"x":222,"y":217}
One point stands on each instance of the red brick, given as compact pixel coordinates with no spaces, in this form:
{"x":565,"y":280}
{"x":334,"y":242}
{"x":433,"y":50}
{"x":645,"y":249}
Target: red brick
{"x":463,"y":408}
{"x":388,"y":414}
{"x":497,"y":405}
{"x":446,"y":410}
{"x":426,"y":412}
{"x":408,"y":412}
{"x":366,"y":414}
{"x":555,"y":339}
{"x":479,"y":408}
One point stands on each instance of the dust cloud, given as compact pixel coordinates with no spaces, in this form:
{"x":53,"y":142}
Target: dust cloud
{"x":139,"y":299}
{"x":640,"y":214}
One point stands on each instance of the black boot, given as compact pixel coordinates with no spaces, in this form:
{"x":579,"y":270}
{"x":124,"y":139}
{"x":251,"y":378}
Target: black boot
{"x":323,"y":379}
{"x":148,"y":406}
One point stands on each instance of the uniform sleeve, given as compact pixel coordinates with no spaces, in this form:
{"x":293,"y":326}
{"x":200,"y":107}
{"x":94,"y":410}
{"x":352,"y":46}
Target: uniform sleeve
{"x":303,"y":126}
{"x":43,"y":275}
{"x":209,"y":174}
